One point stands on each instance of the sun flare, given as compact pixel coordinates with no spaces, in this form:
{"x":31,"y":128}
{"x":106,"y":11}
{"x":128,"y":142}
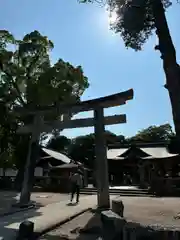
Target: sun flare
{"x":112,"y":17}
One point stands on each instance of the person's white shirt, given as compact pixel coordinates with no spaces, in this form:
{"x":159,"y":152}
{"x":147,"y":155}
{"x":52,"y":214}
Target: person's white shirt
{"x":77,"y":178}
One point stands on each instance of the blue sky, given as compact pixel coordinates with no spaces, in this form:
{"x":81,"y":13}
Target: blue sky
{"x":81,"y":36}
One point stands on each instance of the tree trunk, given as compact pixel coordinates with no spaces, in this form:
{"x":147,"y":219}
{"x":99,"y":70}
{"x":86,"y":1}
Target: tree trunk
{"x":29,"y":173}
{"x":171,"y":68}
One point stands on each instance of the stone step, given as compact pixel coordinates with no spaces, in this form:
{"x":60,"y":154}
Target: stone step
{"x":118,"y":191}
{"x":121,"y":194}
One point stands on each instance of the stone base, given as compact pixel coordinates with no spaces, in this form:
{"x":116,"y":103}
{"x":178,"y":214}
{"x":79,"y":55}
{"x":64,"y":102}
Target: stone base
{"x":116,"y":227}
{"x":118,"y":207}
{"x":112,"y":225}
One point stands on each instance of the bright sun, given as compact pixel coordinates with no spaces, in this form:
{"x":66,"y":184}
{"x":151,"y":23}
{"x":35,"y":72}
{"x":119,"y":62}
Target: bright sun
{"x":112,"y":17}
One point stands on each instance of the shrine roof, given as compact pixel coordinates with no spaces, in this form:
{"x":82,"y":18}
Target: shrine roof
{"x":149,"y":153}
{"x":56,"y":155}
{"x":116,"y":153}
{"x":158,"y":152}
{"x":138,"y":144}
{"x":66,"y":165}
{"x":71,"y":165}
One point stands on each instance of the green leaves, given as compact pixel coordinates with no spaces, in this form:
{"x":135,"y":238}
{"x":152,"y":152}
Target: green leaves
{"x":154,"y":134}
{"x":27,"y":77}
{"x":34,"y":43}
{"x":135,"y":20}
{"x":82,"y":148}
{"x":59,"y":143}
{"x":28,"y":70}
{"x":6,"y":38}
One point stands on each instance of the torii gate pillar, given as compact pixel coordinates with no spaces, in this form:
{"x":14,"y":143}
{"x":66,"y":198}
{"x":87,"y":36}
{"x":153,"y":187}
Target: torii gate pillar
{"x":31,"y":162}
{"x":102,"y":177}
{"x":99,"y":122}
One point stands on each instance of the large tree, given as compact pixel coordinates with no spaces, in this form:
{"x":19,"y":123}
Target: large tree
{"x":136,"y":21}
{"x":59,"y":143}
{"x":28,"y":75}
{"x":162,"y":133}
{"x":82,"y":148}
{"x":28,"y":79}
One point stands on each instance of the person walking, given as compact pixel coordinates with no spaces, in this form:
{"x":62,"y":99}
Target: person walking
{"x":76,"y":181}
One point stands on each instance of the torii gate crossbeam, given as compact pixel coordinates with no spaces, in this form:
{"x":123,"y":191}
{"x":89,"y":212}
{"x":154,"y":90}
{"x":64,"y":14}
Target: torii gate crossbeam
{"x":99,"y":122}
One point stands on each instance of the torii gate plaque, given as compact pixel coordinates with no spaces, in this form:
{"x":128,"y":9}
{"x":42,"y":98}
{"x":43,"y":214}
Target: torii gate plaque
{"x":98,"y":121}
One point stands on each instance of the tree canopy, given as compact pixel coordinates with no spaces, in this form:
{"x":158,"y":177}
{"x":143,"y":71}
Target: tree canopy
{"x":82,"y":148}
{"x":28,"y":78}
{"x":135,"y":19}
{"x":162,"y":133}
{"x":59,"y":143}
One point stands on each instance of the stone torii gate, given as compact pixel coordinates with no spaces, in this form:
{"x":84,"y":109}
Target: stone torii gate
{"x":98,"y":121}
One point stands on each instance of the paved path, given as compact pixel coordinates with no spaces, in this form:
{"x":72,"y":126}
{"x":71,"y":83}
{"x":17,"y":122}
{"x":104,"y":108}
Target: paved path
{"x":88,"y":221}
{"x":7,"y":198}
{"x":44,"y":217}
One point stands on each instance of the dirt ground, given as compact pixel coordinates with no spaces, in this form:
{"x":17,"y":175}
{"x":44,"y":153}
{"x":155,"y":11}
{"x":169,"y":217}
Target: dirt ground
{"x":7,"y":198}
{"x":153,"y":211}
{"x":84,"y":227}
{"x":144,"y":210}
{"x":158,"y":212}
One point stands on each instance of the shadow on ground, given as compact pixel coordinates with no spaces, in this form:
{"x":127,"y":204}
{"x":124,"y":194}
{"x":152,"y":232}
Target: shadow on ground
{"x":72,"y":204}
{"x":8,"y":199}
{"x":10,"y":215}
{"x":6,"y":223}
